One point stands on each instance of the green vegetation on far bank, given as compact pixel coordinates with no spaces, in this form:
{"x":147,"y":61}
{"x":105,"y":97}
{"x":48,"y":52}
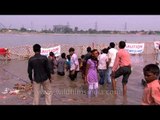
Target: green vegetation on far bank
{"x":67,"y":30}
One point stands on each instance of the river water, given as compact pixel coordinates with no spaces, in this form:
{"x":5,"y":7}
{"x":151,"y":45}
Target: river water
{"x":21,"y":39}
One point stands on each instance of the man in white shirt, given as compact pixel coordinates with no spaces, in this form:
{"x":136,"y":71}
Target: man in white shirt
{"x":102,"y":65}
{"x":112,"y":56}
{"x":74,"y":64}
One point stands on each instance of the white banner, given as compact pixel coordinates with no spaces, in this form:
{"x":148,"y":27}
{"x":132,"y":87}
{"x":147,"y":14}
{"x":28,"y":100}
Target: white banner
{"x":156,"y":44}
{"x":56,"y":50}
{"x":135,"y":48}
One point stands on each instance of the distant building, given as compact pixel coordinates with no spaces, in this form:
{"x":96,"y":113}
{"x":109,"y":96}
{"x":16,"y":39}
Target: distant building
{"x":61,"y":29}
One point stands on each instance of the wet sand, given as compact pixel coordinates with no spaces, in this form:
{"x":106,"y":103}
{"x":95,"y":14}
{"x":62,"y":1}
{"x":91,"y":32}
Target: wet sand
{"x":67,"y":92}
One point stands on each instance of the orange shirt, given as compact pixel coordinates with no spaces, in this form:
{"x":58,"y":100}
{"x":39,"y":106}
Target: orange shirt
{"x":151,"y":94}
{"x":122,"y":59}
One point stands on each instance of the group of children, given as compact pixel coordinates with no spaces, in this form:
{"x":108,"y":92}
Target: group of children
{"x":109,"y":65}
{"x":61,"y":64}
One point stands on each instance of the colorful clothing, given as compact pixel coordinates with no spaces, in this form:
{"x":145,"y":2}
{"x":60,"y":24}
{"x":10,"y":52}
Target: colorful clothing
{"x":92,"y":78}
{"x":122,"y":65}
{"x":92,"y":75}
{"x":122,"y":59}
{"x":151,"y":95}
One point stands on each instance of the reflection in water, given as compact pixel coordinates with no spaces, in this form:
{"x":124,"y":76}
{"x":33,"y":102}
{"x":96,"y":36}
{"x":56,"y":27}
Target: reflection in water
{"x":137,"y":59}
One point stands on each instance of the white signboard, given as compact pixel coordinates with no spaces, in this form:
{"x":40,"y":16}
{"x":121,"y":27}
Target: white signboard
{"x":56,"y":50}
{"x":135,"y":48}
{"x":156,"y":44}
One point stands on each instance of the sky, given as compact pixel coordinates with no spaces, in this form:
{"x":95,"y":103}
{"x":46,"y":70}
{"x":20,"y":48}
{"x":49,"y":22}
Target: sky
{"x":103,"y":22}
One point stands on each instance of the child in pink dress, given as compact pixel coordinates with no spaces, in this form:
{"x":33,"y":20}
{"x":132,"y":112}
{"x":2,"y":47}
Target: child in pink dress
{"x":91,"y":76}
{"x":151,"y":95}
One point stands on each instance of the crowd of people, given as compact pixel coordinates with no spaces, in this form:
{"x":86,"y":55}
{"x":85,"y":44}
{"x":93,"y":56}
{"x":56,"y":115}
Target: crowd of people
{"x":96,"y":68}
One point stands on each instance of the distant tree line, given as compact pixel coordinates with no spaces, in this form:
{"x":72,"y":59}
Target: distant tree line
{"x":67,"y":30}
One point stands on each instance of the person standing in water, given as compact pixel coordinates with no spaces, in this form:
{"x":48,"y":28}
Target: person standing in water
{"x":91,"y":76}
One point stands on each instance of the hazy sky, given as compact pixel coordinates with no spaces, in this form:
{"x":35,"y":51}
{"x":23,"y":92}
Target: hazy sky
{"x":104,"y":22}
